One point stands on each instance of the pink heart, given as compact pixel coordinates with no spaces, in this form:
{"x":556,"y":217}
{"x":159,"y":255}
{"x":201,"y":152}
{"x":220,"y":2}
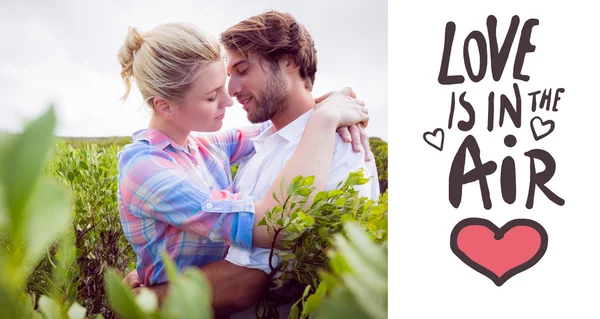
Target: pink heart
{"x":499,"y":253}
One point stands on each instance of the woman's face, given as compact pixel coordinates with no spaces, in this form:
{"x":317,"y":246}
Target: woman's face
{"x":203,"y":107}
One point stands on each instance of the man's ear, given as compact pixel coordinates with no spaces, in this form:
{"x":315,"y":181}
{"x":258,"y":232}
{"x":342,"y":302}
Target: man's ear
{"x":289,"y":64}
{"x":163,"y":107}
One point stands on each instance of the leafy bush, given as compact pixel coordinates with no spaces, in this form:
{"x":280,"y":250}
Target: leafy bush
{"x":357,"y":286}
{"x":90,"y":172}
{"x":380,"y":151}
{"x":305,"y":233}
{"x":35,"y":211}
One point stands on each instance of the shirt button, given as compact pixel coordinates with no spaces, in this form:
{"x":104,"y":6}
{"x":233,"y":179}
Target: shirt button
{"x":209,"y":205}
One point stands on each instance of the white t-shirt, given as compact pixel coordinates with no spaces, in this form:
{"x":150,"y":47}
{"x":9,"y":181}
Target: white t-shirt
{"x":273,"y":149}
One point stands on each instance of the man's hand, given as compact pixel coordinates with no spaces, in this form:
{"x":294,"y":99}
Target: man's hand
{"x":132,"y":280}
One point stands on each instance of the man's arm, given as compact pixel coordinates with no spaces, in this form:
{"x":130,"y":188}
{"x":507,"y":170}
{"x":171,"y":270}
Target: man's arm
{"x":234,"y":288}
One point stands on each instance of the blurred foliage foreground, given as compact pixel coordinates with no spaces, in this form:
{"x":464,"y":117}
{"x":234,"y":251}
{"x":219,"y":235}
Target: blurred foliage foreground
{"x":63,"y":253}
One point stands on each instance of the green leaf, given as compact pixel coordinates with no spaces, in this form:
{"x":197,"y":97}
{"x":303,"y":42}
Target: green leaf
{"x":292,"y":185}
{"x":285,"y":256}
{"x":309,"y":221}
{"x":335,"y":192}
{"x":340,"y":202}
{"x":304,"y":191}
{"x":308,"y":181}
{"x":341,"y":305}
{"x":312,"y":304}
{"x":320,"y":196}
{"x":362,"y":181}
{"x":147,"y":300}
{"x":262,"y":222}
{"x":76,"y":311}
{"x":346,"y":218}
{"x":120,"y":297}
{"x":189,"y":296}
{"x":286,"y":221}
{"x":294,"y":312}
{"x":3,"y":209}
{"x":46,"y":218}
{"x":49,"y":308}
{"x":83,"y":165}
{"x":11,"y":306}
{"x":366,"y":248}
{"x":169,"y":266}
{"x":26,"y":163}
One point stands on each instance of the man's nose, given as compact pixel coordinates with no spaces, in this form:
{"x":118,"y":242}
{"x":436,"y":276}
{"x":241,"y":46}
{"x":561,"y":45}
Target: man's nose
{"x":234,"y":87}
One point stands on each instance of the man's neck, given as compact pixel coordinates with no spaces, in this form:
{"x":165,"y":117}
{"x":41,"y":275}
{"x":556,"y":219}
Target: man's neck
{"x":301,"y":101}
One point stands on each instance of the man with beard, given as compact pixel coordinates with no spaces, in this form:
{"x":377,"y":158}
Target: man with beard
{"x":271,"y":61}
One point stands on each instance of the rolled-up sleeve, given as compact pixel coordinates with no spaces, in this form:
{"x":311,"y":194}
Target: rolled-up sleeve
{"x":154,"y":186}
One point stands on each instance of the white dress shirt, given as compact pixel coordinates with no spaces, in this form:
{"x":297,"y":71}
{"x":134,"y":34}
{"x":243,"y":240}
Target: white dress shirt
{"x":273,"y":149}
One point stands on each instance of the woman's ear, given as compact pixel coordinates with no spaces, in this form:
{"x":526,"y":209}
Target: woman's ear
{"x":164,"y":107}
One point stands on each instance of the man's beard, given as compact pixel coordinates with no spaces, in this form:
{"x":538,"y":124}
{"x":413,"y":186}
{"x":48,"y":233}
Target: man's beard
{"x":272,"y":100}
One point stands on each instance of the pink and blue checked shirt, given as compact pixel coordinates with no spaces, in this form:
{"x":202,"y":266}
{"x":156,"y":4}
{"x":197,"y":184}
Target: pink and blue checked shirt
{"x":180,"y":201}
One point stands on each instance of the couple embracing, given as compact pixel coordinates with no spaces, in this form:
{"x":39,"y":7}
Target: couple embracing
{"x":176,"y":192}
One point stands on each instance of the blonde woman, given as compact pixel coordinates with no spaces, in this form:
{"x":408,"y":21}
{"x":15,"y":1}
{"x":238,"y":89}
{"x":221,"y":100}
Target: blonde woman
{"x":174,"y":187}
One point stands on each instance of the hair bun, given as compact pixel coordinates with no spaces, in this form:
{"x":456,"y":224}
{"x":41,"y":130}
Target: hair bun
{"x":134,"y":39}
{"x":133,"y":42}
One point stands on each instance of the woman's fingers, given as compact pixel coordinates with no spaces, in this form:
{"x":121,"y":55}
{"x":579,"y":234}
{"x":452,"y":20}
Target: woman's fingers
{"x":348,"y":92}
{"x":364,"y":139}
{"x":323,"y":97}
{"x":355,"y":134}
{"x":345,"y":134}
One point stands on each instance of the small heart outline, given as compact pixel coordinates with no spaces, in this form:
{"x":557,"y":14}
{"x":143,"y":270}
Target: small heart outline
{"x":434,"y":134}
{"x":544,"y":123}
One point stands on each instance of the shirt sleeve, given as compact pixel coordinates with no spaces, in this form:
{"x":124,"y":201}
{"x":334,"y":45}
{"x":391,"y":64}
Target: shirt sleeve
{"x":345,"y":161}
{"x":152,"y":185}
{"x":236,"y":142}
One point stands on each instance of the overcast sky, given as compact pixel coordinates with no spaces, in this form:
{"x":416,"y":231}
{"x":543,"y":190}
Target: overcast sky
{"x":64,"y":52}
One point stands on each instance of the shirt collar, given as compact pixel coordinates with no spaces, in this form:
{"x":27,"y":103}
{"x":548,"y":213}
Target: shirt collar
{"x":290,"y":132}
{"x":159,"y":140}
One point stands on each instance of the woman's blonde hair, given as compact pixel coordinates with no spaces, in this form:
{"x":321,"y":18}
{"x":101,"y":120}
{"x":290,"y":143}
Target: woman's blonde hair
{"x":165,"y":61}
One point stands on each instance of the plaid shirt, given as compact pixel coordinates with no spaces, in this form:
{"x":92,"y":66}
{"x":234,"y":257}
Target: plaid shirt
{"x":179,"y":201}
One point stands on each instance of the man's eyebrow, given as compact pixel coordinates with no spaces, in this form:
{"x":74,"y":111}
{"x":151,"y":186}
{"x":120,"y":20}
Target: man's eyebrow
{"x":235,"y":65}
{"x":213,"y":90}
{"x":238,"y":63}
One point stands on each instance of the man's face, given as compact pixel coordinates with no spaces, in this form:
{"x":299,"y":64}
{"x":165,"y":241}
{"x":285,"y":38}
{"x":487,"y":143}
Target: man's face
{"x":259,"y":86}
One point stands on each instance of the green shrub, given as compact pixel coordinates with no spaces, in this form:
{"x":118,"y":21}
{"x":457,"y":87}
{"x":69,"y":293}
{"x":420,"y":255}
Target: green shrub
{"x":306,"y":232}
{"x":90,"y":172}
{"x":380,"y":151}
{"x":36,"y":219}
